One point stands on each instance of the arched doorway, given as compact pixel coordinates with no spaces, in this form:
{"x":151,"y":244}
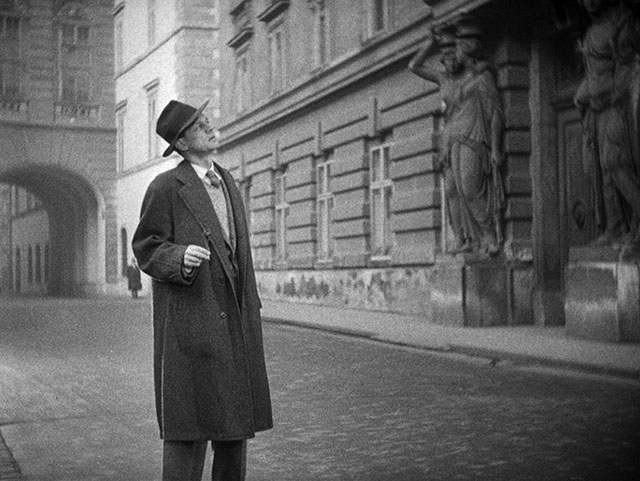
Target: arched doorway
{"x":75,"y":257}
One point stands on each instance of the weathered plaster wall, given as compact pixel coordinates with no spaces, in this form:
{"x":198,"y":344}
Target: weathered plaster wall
{"x":405,"y":290}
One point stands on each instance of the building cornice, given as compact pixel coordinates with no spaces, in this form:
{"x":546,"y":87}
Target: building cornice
{"x":74,"y":127}
{"x":375,"y":54}
{"x":148,"y":53}
{"x":171,"y":161}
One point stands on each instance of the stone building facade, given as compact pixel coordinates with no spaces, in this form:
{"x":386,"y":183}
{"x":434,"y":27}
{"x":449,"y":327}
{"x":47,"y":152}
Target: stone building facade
{"x":25,"y":262}
{"x":163,"y":50}
{"x":57,"y":141}
{"x":347,"y":122}
{"x":333,"y":141}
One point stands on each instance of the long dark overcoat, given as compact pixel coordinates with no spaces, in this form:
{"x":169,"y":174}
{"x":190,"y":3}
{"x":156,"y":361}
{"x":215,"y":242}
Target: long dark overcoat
{"x":209,"y":369}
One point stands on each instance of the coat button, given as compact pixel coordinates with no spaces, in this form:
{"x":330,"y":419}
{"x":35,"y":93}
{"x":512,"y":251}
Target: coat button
{"x":223,"y":315}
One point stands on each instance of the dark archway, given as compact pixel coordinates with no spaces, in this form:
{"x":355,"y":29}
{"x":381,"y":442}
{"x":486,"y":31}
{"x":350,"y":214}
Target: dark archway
{"x":76,"y":263}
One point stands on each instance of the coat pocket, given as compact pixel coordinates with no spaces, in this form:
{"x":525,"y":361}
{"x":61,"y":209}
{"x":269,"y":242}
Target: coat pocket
{"x":192,"y":330}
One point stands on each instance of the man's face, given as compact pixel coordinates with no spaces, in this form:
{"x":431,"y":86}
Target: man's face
{"x":200,"y":137}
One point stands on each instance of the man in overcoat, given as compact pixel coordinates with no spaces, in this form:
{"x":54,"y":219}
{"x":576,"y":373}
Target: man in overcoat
{"x":134,"y":282}
{"x":209,"y":368}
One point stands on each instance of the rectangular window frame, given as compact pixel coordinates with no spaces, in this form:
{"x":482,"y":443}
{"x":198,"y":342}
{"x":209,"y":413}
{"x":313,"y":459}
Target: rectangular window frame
{"x":10,"y":58}
{"x":242,"y":95}
{"x":38,"y":264}
{"x":119,"y":41}
{"x":121,"y":112}
{"x":276,"y":42}
{"x":322,"y":34}
{"x":324,"y":209}
{"x":151,"y":23}
{"x":380,"y":194}
{"x":153,"y":146}
{"x":245,"y":190}
{"x":281,"y":214}
{"x":379,"y":17}
{"x":75,"y":79}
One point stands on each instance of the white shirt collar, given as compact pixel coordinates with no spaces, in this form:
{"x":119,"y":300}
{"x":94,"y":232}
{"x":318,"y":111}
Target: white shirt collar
{"x":202,"y":171}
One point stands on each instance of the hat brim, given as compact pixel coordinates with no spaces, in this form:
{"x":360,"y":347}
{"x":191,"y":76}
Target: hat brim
{"x":187,"y":124}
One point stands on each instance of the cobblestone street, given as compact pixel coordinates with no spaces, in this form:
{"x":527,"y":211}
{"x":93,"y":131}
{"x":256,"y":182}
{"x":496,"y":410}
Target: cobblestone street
{"x":76,"y":404}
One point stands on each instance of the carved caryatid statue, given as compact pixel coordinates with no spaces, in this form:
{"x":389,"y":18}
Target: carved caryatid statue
{"x":608,"y":101}
{"x":472,"y":137}
{"x":445,"y":73}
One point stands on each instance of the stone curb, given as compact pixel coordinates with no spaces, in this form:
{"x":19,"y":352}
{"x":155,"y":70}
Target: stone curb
{"x":494,"y":356}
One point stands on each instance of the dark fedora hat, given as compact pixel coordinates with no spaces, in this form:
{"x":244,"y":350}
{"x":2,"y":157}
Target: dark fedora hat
{"x":175,"y":118}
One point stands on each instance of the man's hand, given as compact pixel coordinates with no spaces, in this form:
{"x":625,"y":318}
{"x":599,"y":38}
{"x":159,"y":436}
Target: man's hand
{"x":193,"y":257}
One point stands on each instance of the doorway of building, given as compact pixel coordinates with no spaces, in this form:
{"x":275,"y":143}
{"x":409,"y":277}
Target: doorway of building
{"x":576,"y":170}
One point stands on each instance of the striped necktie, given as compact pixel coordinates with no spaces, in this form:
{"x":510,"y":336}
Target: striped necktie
{"x":213,"y":178}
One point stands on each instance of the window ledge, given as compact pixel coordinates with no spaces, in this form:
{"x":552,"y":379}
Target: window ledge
{"x":276,"y":8}
{"x":241,"y":37}
{"x":73,"y":112}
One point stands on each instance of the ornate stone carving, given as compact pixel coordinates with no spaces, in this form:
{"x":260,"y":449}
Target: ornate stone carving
{"x":471,"y":139}
{"x":608,"y":99}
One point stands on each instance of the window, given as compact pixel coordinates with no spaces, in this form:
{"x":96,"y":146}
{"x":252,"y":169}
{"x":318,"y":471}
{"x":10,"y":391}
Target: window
{"x":321,"y":33}
{"x":282,"y":209}
{"x":38,"y":264}
{"x":16,"y":200}
{"x":18,"y":270}
{"x":151,"y":23}
{"x":240,"y":42}
{"x":46,"y":263}
{"x":378,"y":16}
{"x":75,"y":88}
{"x":29,"y":265}
{"x":242,"y":92}
{"x":152,"y":103}
{"x":324,"y":207}
{"x":276,"y":59}
{"x":215,"y":100}
{"x":245,"y":189}
{"x":118,"y":40}
{"x":74,"y":56}
{"x":380,"y":190}
{"x":124,"y":251}
{"x":120,"y":117}
{"x":214,"y":11}
{"x":10,"y":33}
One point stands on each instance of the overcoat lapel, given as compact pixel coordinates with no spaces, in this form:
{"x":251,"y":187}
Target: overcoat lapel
{"x":242,"y":248}
{"x":195,"y":197}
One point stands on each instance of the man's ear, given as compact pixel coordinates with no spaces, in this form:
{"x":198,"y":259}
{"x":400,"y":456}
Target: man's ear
{"x":181,"y":144}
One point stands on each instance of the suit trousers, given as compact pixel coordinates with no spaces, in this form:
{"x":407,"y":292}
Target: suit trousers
{"x":184,"y":460}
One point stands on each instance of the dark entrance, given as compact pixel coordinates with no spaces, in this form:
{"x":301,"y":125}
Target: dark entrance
{"x":576,"y":172}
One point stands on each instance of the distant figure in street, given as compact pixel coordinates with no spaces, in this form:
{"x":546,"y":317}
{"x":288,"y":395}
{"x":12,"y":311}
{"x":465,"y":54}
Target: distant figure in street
{"x":133,"y":278}
{"x":210,"y":376}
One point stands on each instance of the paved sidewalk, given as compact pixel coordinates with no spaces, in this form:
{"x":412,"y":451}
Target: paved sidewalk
{"x":528,"y":344}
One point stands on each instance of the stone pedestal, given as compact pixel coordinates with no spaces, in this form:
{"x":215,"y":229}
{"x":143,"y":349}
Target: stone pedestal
{"x":476,"y":291}
{"x":447,"y":292}
{"x":603,"y":295}
{"x":486,"y":297}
